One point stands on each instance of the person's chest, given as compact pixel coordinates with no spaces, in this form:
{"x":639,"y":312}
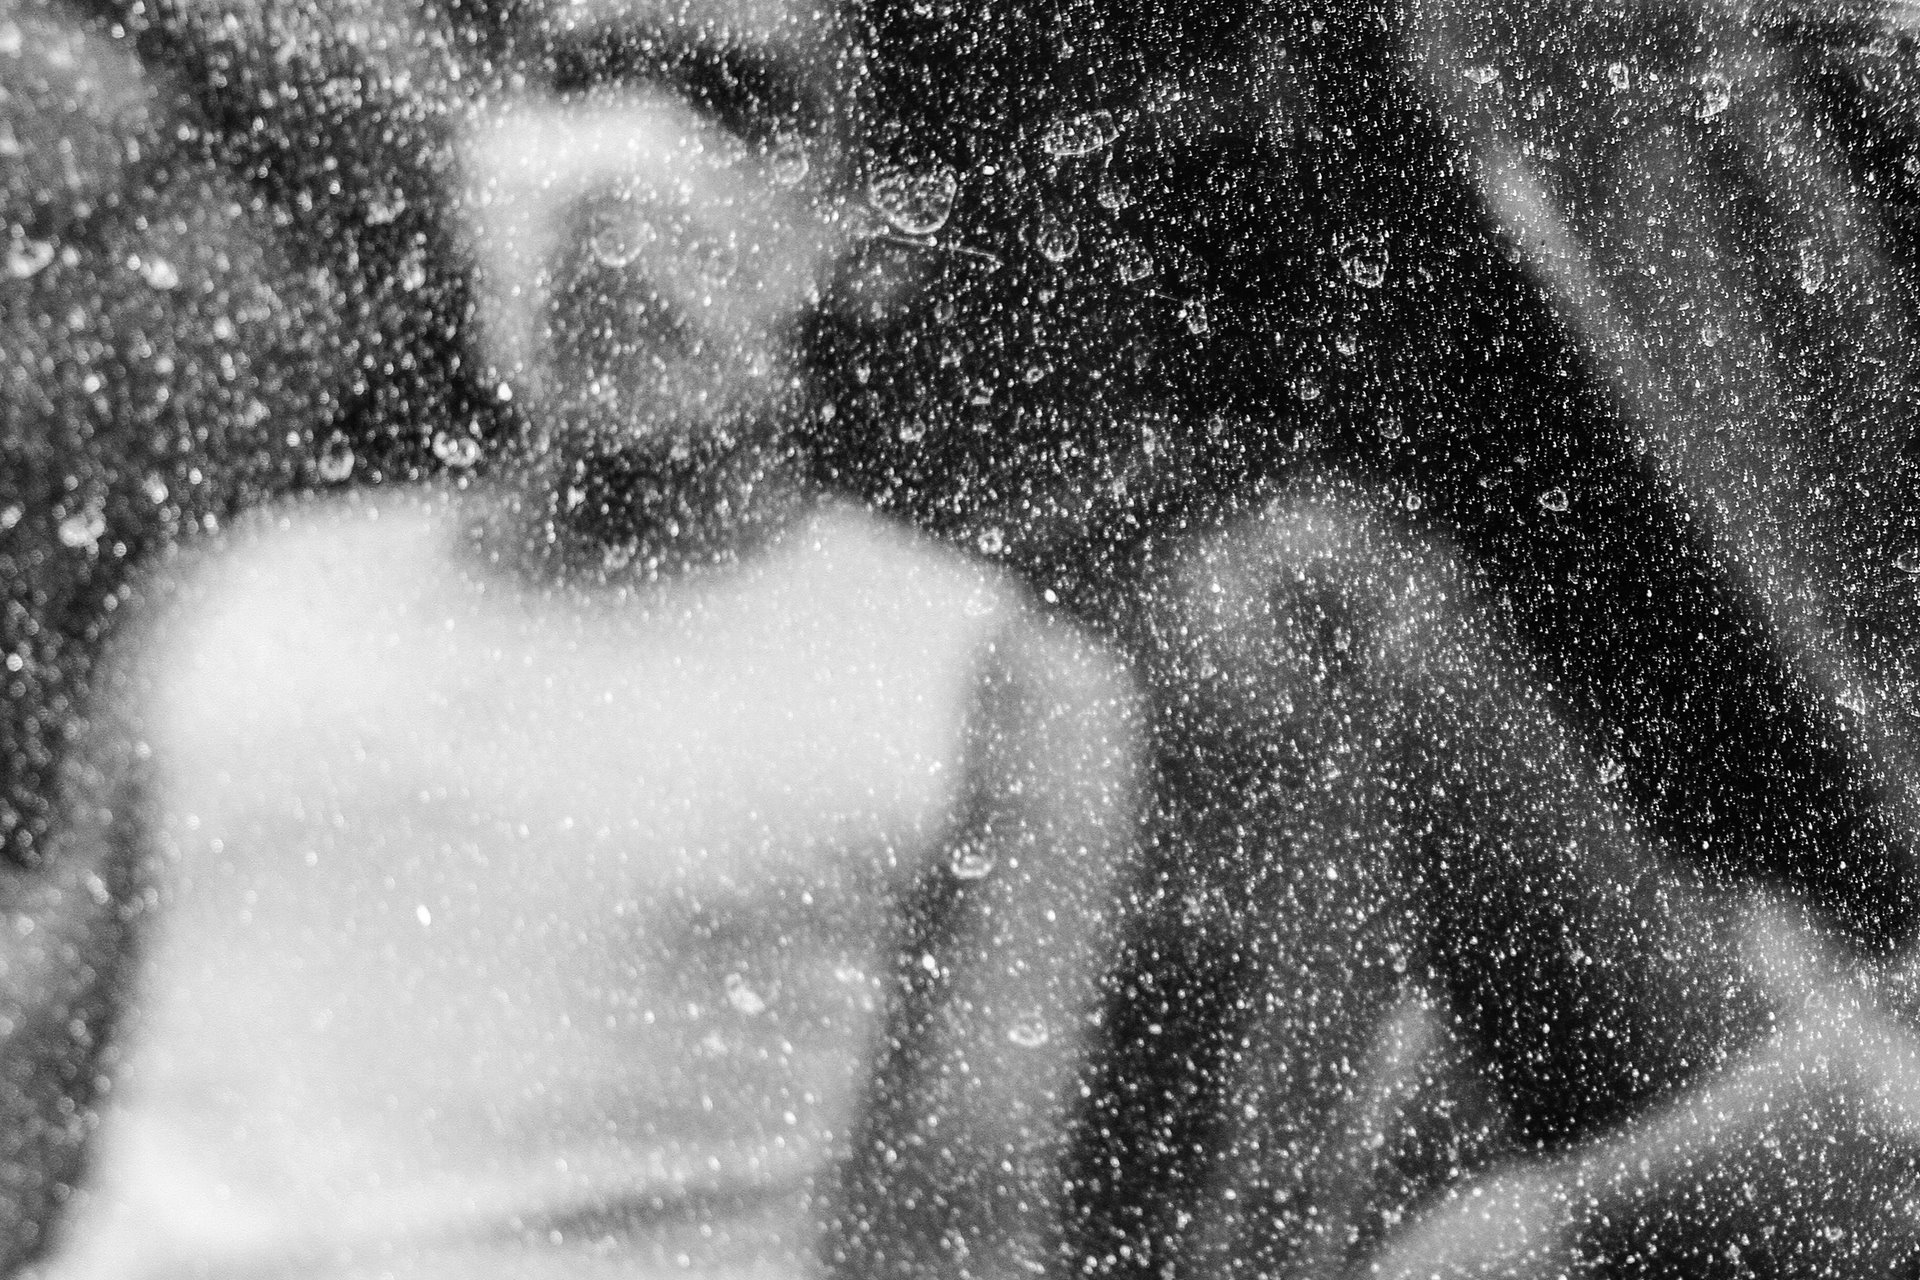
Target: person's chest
{"x":560,"y":894}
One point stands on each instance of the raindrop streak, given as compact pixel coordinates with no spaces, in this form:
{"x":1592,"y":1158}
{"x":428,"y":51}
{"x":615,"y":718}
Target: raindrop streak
{"x":971,"y":863}
{"x":1079,"y":135}
{"x":1364,"y":259}
{"x":456,"y":450}
{"x":1056,"y":238}
{"x":1030,"y":1032}
{"x":336,"y":459}
{"x":27,"y":258}
{"x":789,"y":162}
{"x":82,"y":529}
{"x":1555,"y":500}
{"x":917,"y":202}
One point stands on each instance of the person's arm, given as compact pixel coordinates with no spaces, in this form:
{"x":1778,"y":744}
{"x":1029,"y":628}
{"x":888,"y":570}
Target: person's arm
{"x":67,"y":925}
{"x":959,"y":1163}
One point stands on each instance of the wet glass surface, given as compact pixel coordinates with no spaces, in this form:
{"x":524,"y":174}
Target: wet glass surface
{"x":958,"y":639}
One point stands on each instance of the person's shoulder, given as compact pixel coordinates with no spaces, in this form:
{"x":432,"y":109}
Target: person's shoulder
{"x":282,"y":586}
{"x":1028,"y":643}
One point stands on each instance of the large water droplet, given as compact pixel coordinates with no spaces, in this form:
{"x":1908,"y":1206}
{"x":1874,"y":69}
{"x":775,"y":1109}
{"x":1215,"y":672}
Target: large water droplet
{"x":916,"y":201}
{"x":27,"y":258}
{"x":1484,"y":74}
{"x":1079,"y":135}
{"x":1619,"y":76}
{"x":159,"y":273}
{"x":1813,"y":266}
{"x":1363,"y":257}
{"x":1716,"y":94}
{"x":788,"y":164}
{"x":456,"y":448}
{"x":1056,"y":237}
{"x":1131,"y":261}
{"x":1556,"y":500}
{"x":991,"y":541}
{"x":336,"y":459}
{"x":619,"y":237}
{"x":83,"y":529}
{"x":1030,"y":1032}
{"x":743,"y":997}
{"x":971,"y":862}
{"x":1908,"y":562}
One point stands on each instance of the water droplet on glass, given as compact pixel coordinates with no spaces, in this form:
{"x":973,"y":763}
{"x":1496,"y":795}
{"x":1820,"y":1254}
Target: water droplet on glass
{"x":1113,"y":196}
{"x":413,"y":271}
{"x":913,"y":431}
{"x":1195,"y":314}
{"x":1908,"y":562}
{"x":156,"y":489}
{"x":916,"y":201}
{"x":27,"y":258}
{"x":1079,"y":135}
{"x":456,"y":449}
{"x":336,"y":459}
{"x":159,"y":273}
{"x":1364,"y":259}
{"x":1347,"y":343}
{"x":991,"y":541}
{"x":1307,"y":389}
{"x":1483,"y":74}
{"x":10,"y":515}
{"x":1611,"y":770}
{"x":788,"y":164}
{"x":1813,"y":267}
{"x":1056,"y":237}
{"x":1619,"y":76}
{"x":743,"y":997}
{"x":1132,"y":261}
{"x":385,"y":209}
{"x":82,"y":529}
{"x":1710,"y":334}
{"x":1716,"y":95}
{"x":1555,"y":500}
{"x":1030,"y":1032}
{"x":424,"y":916}
{"x":971,"y":862}
{"x":619,"y":237}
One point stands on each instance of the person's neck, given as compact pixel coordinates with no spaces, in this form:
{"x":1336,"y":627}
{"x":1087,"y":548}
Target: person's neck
{"x":644,"y":509}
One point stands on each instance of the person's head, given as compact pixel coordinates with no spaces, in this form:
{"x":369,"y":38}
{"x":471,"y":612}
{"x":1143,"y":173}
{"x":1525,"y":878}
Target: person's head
{"x":652,"y":211}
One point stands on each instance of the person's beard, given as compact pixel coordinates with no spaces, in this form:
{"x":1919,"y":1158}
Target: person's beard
{"x":598,"y":495}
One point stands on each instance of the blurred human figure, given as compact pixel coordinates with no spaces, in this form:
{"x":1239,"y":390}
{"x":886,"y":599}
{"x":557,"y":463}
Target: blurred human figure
{"x":548,"y":863}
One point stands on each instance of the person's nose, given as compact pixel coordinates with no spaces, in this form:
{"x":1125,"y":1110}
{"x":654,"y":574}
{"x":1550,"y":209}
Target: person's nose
{"x":657,"y":191}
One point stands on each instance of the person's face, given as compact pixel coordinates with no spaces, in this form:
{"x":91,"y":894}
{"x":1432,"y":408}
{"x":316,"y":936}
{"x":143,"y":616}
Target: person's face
{"x":650,"y":231}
